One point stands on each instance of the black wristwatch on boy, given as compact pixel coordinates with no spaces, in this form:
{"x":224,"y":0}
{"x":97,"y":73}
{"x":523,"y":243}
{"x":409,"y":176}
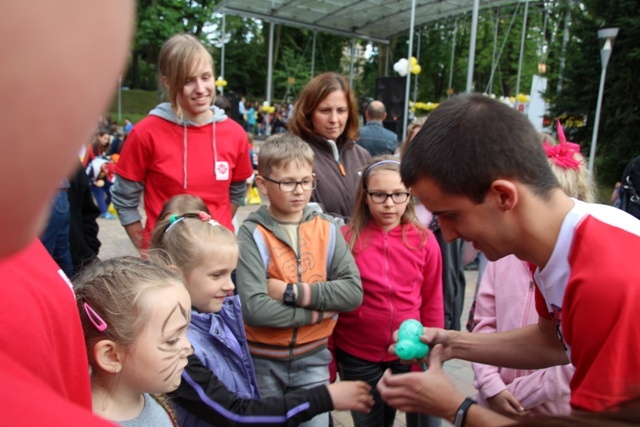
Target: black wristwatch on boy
{"x":289,"y":297}
{"x":461,"y":413}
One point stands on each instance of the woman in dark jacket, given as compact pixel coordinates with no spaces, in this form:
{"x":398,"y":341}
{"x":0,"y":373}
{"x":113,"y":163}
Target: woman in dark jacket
{"x":326,"y":117}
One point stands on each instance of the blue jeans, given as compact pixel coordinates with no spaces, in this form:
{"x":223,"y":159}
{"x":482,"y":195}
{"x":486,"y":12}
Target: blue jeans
{"x":102,"y":195}
{"x":276,"y":377}
{"x":56,"y":236}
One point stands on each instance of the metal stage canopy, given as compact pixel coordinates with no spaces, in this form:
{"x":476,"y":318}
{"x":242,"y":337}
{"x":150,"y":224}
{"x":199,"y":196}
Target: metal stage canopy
{"x":374,"y":20}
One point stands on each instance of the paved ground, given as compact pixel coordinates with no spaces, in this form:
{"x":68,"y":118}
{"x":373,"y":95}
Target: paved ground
{"x":116,"y":243}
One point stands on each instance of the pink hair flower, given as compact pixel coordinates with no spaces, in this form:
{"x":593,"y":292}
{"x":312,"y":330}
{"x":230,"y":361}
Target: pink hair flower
{"x":564,"y":153}
{"x":204,"y":216}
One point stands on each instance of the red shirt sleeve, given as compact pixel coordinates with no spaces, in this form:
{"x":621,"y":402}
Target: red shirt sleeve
{"x":541,"y":305}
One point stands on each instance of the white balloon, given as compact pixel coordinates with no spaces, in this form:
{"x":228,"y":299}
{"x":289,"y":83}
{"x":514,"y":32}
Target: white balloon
{"x":401,"y":67}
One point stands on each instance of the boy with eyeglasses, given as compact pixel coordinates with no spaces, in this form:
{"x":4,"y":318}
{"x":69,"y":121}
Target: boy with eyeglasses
{"x":294,"y":275}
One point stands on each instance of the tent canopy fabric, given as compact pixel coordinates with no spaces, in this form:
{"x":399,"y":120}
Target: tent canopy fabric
{"x":374,"y":20}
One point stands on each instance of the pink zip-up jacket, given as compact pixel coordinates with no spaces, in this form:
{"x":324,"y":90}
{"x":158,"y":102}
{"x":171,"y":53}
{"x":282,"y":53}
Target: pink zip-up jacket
{"x":399,"y":283}
{"x":505,"y":301}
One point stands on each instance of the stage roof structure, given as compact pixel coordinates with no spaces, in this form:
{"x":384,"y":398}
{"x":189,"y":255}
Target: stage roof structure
{"x":374,"y":20}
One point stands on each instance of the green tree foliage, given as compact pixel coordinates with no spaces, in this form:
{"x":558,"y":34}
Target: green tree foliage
{"x":245,"y":55}
{"x":246,"y":47}
{"x":157,"y":20}
{"x":619,"y":130}
{"x":293,"y":59}
{"x":435,"y":58}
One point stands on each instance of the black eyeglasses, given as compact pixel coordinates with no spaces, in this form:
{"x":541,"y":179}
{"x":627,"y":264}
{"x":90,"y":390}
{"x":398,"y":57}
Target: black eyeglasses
{"x":382,"y":197}
{"x":307,"y":184}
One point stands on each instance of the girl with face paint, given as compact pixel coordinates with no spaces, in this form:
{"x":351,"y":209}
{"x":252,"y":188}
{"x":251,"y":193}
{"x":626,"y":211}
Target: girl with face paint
{"x":135,"y":316}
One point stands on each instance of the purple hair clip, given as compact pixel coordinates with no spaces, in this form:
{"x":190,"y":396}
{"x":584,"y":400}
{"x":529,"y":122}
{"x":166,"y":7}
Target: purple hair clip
{"x":94,"y":318}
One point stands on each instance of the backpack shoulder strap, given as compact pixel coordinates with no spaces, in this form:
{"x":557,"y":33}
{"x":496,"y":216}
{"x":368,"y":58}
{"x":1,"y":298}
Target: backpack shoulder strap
{"x":630,"y":183}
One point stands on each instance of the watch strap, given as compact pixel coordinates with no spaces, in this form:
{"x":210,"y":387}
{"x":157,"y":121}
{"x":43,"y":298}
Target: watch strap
{"x":461,"y":413}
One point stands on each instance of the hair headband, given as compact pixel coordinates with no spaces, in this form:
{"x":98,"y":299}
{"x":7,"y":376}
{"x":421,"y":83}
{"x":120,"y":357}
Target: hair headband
{"x":367,"y":170}
{"x":563,"y":154}
{"x":203,"y":216}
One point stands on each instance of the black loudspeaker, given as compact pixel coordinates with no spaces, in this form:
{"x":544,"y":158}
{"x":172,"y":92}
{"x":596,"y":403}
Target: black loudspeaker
{"x":392,"y":91}
{"x":234,"y":99}
{"x":394,"y":126}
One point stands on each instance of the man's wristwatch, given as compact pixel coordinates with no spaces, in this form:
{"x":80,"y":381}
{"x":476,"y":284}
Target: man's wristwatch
{"x":461,"y":413}
{"x":289,"y":297}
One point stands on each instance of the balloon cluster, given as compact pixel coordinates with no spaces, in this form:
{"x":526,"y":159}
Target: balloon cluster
{"x":512,"y":101}
{"x":403,"y":67}
{"x":266,"y":108}
{"x":427,"y":106}
{"x":221,"y":82}
{"x":409,"y":345}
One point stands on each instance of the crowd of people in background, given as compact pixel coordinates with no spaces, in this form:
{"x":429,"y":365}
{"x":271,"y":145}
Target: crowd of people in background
{"x":326,"y":271}
{"x":259,"y":122}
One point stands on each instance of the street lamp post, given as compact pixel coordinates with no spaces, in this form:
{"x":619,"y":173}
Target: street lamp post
{"x":607,"y":35}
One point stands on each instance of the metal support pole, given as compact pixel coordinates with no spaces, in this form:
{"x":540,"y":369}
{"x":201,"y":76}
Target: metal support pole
{"x":313,"y":54}
{"x":524,"y":35}
{"x":415,"y":78}
{"x":386,"y":59}
{"x":119,"y":99}
{"x":565,"y":42}
{"x":493,"y":54}
{"x":472,"y":45}
{"x":269,"y":73}
{"x":453,"y":52}
{"x":405,"y":115}
{"x":351,"y":56}
{"x":596,"y":122}
{"x":609,"y":34}
{"x":224,"y":24}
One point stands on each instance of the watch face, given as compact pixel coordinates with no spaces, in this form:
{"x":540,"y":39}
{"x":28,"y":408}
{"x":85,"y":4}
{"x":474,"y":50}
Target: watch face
{"x":289,"y":296}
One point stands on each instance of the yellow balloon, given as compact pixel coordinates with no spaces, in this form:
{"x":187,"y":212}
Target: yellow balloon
{"x":413,"y":61}
{"x":415,"y":69}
